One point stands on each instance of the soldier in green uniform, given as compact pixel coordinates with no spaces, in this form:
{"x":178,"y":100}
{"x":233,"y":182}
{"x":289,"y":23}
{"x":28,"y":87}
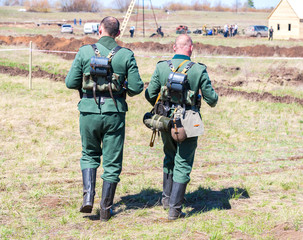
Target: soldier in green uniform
{"x":179,"y":157}
{"x":102,"y":113}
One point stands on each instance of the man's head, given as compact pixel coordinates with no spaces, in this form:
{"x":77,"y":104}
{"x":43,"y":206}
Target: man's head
{"x":183,"y":45}
{"x":109,"y":26}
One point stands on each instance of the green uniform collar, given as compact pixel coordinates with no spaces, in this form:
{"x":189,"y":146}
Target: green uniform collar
{"x":181,"y":56}
{"x":108,"y":42}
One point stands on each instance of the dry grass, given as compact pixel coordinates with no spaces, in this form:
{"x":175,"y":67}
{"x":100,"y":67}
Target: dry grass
{"x":246,"y":180}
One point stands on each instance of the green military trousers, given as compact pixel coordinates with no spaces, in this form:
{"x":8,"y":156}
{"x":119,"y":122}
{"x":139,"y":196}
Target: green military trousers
{"x":179,"y":157}
{"x":103,"y":134}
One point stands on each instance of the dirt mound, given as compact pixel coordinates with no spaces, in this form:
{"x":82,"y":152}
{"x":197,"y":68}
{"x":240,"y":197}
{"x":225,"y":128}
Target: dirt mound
{"x":62,"y":44}
{"x":254,"y":96}
{"x":281,"y":75}
{"x":36,"y":73}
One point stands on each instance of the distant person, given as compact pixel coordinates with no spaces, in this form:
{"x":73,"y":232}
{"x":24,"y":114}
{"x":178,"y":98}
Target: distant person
{"x":80,"y":21}
{"x":271,"y":34}
{"x":75,"y":21}
{"x":102,"y":111}
{"x":236,"y":29}
{"x":225,"y":29}
{"x":204,"y":30}
{"x":231,"y":30}
{"x":159,"y":31}
{"x":132,"y":31}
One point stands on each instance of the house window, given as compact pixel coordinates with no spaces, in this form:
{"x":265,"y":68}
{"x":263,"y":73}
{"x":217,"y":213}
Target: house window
{"x":289,"y":27}
{"x":278,"y":27}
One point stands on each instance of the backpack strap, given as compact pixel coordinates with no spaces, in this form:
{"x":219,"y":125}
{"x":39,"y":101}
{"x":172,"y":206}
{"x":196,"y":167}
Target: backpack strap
{"x":171,"y":66}
{"x":113,"y":52}
{"x":187,"y":67}
{"x":96,"y":50}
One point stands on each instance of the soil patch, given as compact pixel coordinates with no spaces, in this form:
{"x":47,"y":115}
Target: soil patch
{"x":38,"y":73}
{"x":62,"y":44}
{"x":285,"y":231}
{"x":254,"y":96}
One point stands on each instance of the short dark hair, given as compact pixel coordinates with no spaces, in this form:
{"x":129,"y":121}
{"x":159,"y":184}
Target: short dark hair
{"x":111,"y":25}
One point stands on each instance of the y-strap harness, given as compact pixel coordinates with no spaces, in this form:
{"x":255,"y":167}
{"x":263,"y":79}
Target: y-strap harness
{"x":102,"y":67}
{"x":177,"y":81}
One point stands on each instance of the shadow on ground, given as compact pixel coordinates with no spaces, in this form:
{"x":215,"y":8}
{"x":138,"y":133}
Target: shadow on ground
{"x":201,"y":200}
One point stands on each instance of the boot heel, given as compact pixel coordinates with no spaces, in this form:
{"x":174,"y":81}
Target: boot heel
{"x":86,"y":209}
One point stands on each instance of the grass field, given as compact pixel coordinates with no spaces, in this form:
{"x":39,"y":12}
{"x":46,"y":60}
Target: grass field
{"x":246,"y":183}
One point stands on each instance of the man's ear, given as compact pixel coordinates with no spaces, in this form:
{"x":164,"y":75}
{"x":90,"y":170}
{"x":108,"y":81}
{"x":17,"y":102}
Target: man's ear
{"x":192,"y":47}
{"x":118,"y":33}
{"x":100,"y":30}
{"x":174,"y":47}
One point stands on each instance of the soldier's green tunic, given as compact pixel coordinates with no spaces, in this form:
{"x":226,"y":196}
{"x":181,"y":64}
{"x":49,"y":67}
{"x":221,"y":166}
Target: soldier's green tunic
{"x":179,"y":157}
{"x":104,"y":123}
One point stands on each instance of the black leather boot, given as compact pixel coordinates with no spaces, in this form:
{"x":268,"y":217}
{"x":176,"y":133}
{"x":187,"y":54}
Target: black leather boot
{"x":89,"y":183}
{"x":176,"y":201}
{"x":108,"y":193}
{"x":167,"y":185}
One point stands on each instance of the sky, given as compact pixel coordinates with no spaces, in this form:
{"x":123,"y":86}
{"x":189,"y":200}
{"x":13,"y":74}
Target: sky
{"x":258,"y":3}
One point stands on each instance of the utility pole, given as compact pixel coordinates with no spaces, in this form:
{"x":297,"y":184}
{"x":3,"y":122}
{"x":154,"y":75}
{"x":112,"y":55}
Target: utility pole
{"x":143,"y":20}
{"x":236,"y":6}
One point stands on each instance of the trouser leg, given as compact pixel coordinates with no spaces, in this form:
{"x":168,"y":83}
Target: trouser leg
{"x":169,"y":148}
{"x":89,"y":183}
{"x":176,"y":201}
{"x":112,"y":147}
{"x":108,"y":193}
{"x":167,"y":186}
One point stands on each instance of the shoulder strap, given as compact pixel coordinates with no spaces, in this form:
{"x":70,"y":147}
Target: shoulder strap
{"x":171,"y":66}
{"x":187,"y":67}
{"x":110,"y":55}
{"x":96,"y":50}
{"x":113,"y":52}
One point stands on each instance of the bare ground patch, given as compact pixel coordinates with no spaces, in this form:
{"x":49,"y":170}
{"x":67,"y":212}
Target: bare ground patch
{"x":62,"y":44}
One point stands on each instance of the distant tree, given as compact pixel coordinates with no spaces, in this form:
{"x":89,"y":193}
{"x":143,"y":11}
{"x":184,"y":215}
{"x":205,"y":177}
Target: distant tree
{"x":122,"y":5}
{"x":37,"y":5}
{"x":80,"y":5}
{"x":13,"y":3}
{"x":250,"y":4}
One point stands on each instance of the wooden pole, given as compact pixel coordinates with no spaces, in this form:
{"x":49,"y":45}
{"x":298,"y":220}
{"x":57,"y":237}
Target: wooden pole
{"x":143,"y":20}
{"x":30,"y":66}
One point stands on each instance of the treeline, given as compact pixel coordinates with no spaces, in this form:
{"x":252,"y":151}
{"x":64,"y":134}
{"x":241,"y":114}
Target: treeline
{"x":63,"y":5}
{"x":205,"y":5}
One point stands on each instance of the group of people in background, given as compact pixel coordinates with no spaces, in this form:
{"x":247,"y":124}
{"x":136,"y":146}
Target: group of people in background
{"x":230,"y":30}
{"x":75,"y":21}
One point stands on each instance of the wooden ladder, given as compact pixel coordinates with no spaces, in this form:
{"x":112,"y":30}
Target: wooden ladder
{"x":126,"y":18}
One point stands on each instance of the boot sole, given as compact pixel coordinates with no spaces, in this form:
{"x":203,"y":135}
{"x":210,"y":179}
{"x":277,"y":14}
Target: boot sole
{"x":86,"y":209}
{"x":182,"y":215}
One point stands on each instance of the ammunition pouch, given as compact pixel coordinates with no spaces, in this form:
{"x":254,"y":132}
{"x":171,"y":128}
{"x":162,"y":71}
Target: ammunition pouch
{"x":188,"y":98}
{"x":102,"y":83}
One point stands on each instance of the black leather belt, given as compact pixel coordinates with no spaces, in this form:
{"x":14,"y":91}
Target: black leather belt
{"x":103,"y":95}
